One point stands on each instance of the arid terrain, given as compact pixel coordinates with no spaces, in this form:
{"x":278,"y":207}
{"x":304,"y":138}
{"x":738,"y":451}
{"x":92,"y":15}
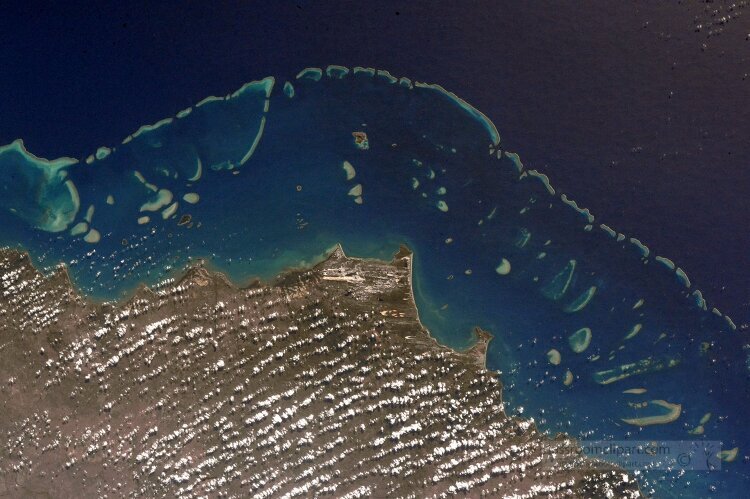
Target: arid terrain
{"x":321,"y":383}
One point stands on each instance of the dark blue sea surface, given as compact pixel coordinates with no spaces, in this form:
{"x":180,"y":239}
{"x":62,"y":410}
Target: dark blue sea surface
{"x":277,"y":173}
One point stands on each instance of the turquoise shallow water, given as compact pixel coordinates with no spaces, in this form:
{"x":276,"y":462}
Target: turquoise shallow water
{"x":261,"y":174}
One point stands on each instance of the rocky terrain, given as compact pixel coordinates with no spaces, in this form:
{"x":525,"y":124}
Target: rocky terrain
{"x":322,"y":382}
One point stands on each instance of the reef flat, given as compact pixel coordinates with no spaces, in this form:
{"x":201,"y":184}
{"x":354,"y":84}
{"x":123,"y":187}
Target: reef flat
{"x":321,"y":382}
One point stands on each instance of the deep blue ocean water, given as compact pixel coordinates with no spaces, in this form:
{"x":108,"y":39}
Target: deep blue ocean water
{"x":495,"y":244}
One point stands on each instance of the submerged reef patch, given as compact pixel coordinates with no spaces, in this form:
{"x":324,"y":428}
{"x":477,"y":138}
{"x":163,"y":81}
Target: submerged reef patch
{"x":37,"y":190}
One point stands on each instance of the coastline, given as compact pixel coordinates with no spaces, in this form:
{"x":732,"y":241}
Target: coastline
{"x":199,"y":275}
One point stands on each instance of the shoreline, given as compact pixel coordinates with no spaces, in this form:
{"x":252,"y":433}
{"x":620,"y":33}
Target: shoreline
{"x":480,"y":338}
{"x":682,"y":281}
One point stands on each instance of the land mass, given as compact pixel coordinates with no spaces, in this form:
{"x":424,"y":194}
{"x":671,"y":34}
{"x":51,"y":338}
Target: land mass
{"x":321,"y":382}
